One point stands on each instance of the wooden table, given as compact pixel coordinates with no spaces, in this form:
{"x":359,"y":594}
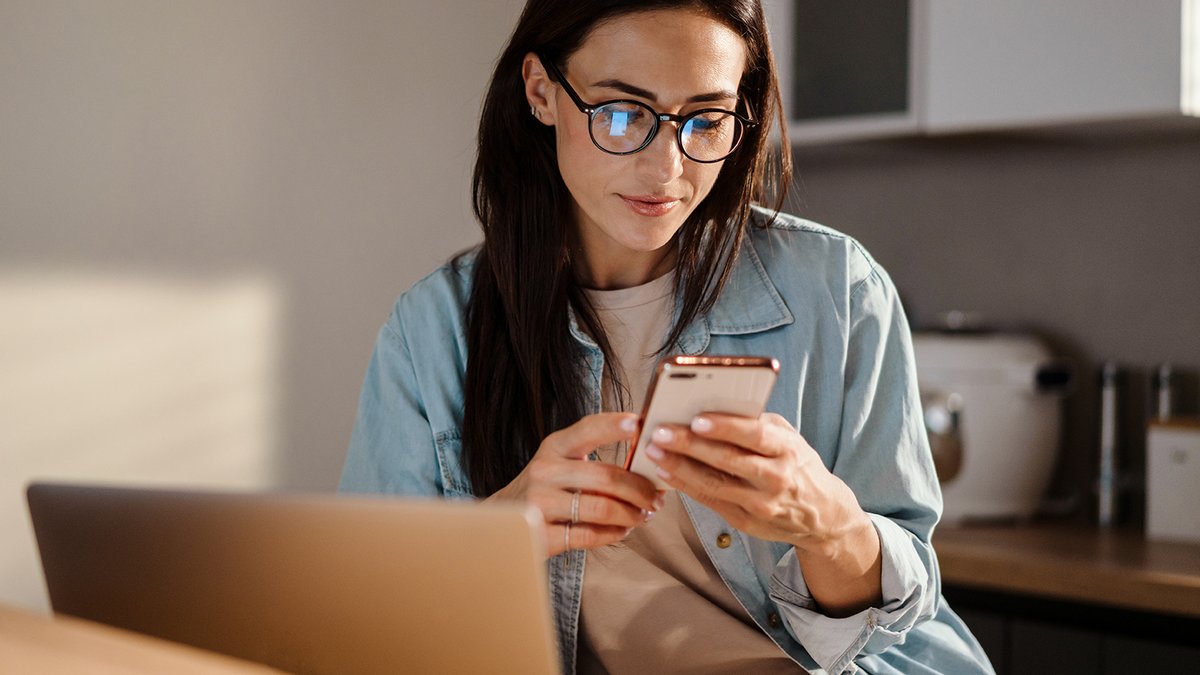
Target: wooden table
{"x":1117,"y":568}
{"x":35,"y":643}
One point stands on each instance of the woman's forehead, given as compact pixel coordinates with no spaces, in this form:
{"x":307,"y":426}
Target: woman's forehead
{"x":670,"y":52}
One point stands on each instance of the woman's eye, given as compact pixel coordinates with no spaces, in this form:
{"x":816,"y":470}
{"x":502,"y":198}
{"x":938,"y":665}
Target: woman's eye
{"x":617,"y":119}
{"x":709,"y":124}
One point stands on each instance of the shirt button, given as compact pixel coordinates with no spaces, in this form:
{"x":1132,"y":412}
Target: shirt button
{"x":773,"y":619}
{"x":724,"y":540}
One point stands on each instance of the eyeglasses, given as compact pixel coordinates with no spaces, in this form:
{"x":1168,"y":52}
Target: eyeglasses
{"x":623,"y":127}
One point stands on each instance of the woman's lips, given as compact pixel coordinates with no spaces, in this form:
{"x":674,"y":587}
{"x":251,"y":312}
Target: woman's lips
{"x":649,"y":205}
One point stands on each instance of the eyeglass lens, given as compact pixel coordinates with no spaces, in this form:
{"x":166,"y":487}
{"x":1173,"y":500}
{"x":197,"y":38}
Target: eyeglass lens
{"x":625,"y":126}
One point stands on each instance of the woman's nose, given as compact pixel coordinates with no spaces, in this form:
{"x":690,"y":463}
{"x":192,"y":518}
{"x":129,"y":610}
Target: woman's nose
{"x":662,"y":160}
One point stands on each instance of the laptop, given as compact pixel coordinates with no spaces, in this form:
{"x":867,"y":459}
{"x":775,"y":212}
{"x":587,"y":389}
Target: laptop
{"x":305,"y":583}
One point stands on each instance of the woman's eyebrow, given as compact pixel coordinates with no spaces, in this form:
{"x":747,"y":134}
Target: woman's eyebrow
{"x":619,"y":85}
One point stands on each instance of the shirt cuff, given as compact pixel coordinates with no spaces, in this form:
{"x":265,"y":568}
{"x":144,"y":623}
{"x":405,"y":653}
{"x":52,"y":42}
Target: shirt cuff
{"x":834,"y":643}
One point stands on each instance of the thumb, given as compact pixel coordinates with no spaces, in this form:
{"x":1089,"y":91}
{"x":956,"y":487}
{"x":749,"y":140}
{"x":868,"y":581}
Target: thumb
{"x":777,"y":420}
{"x":581,"y":438}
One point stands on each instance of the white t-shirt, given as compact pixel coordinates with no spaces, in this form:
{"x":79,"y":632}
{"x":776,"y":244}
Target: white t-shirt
{"x":654,"y":602}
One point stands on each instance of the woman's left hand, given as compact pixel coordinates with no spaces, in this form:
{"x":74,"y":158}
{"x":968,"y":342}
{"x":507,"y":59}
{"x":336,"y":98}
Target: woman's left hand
{"x":761,"y":476}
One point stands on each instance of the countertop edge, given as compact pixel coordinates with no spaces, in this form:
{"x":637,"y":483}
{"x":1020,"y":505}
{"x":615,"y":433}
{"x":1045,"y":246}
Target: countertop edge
{"x":1117,"y":569}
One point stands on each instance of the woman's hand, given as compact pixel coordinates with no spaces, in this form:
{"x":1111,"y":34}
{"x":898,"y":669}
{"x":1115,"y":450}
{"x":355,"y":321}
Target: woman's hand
{"x":585,"y":504}
{"x":764,"y":479}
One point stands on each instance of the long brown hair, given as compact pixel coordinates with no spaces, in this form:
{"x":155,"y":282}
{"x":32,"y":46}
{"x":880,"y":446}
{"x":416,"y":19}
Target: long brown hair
{"x":525,"y":373}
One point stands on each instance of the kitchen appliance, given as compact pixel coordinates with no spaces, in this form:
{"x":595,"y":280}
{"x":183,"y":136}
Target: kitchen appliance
{"x":993,"y":409}
{"x":1107,"y":480}
{"x":1173,"y":480}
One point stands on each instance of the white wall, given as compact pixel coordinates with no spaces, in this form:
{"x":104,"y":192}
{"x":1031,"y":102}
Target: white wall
{"x":206,"y":208}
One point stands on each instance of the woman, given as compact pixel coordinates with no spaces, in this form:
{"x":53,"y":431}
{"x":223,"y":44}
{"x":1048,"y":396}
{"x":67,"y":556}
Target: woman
{"x":621,"y":146}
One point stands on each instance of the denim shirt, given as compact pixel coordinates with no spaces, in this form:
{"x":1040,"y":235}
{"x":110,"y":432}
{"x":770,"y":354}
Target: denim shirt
{"x":802,"y":293}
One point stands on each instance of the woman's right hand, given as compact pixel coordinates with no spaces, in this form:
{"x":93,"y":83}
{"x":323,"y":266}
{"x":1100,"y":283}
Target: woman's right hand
{"x":611,"y":500}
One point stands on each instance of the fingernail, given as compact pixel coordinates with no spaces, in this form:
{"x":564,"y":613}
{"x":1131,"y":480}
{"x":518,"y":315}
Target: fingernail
{"x":629,"y":425}
{"x":647,"y":515}
{"x":663,"y":435}
{"x":655,"y":452}
{"x":659,"y":502}
{"x":702,"y":424}
{"x":663,"y":474}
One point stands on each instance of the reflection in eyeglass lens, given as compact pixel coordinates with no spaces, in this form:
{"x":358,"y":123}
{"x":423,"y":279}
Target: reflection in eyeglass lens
{"x":617,"y":123}
{"x":623,"y":127}
{"x":708,"y":135}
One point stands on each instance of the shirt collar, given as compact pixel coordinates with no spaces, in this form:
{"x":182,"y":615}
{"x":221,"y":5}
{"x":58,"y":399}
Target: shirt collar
{"x":749,"y":303}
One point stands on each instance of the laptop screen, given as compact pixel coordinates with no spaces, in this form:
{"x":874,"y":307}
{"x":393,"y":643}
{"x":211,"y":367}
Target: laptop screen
{"x":304,"y":583}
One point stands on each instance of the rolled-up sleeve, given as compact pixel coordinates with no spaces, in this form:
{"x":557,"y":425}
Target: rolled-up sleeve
{"x":883,"y":455}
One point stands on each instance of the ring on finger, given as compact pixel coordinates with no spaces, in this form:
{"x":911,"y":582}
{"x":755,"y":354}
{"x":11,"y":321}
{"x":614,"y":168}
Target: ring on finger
{"x":567,"y":538}
{"x":575,"y":507}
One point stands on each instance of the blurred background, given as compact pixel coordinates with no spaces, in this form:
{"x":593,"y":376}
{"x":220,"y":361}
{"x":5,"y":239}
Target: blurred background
{"x":206,"y":211}
{"x":207,"y":208}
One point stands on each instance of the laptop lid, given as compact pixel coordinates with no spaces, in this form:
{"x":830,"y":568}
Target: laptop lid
{"x":304,"y":583}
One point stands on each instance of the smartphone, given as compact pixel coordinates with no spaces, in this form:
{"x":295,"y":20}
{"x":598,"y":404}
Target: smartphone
{"x":685,"y":386}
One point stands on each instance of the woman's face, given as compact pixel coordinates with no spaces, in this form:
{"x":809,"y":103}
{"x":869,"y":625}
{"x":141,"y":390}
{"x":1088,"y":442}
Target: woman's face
{"x":628,"y":207}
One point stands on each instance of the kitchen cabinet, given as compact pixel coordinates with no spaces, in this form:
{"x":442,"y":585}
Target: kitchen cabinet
{"x":991,"y":630}
{"x":1042,"y":648}
{"x":1130,"y":655}
{"x":847,"y":70}
{"x":903,"y":67}
{"x":1066,"y":598}
{"x":1018,"y":642}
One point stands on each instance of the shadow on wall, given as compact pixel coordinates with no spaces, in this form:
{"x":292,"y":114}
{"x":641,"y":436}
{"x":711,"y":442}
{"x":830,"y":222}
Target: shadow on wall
{"x":120,"y":377}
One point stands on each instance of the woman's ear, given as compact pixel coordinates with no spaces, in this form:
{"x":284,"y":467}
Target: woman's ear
{"x":539,"y":90}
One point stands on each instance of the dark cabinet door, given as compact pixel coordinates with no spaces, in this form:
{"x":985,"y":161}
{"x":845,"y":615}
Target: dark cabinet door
{"x":991,"y":629}
{"x":849,"y":59}
{"x":1130,"y":655}
{"x":1037,"y":648}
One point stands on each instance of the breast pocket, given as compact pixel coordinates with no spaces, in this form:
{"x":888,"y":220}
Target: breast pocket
{"x":455,"y":483}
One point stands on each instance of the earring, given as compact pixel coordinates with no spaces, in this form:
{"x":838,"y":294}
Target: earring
{"x":534,"y":111}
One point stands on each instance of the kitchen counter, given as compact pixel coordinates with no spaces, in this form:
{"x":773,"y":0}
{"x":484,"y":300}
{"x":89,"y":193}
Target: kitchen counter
{"x":1116,"y":568}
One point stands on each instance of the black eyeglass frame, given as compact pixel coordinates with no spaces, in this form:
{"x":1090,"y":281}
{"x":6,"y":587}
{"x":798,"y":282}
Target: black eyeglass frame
{"x":659,"y":117}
